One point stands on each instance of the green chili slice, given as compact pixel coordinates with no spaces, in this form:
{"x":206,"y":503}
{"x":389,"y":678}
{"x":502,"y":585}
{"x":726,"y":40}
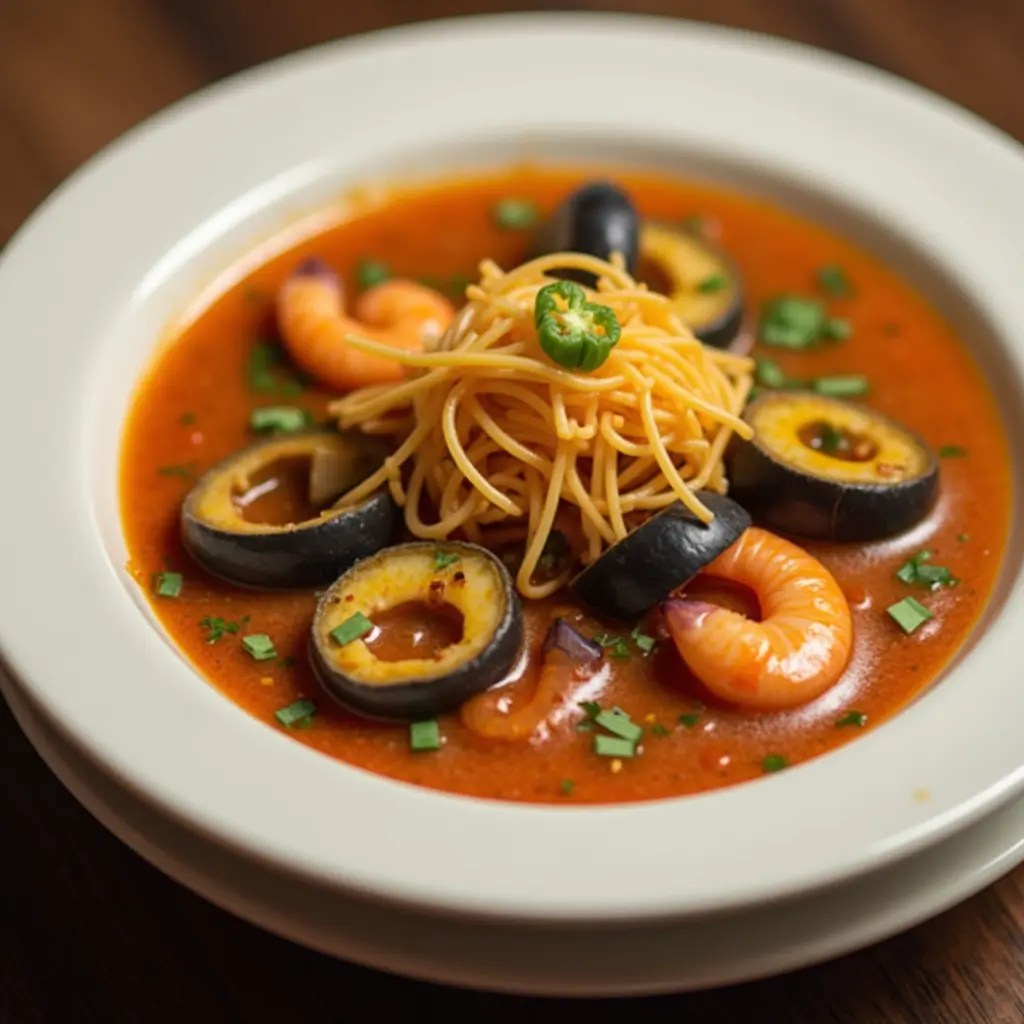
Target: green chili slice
{"x":572,"y":331}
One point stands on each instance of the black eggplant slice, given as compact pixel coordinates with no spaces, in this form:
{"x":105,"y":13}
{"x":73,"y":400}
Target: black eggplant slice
{"x":704,"y":284}
{"x":669,"y":549}
{"x":308,"y":540}
{"x":598,"y":219}
{"x":368,"y":646}
{"x":828,"y":469}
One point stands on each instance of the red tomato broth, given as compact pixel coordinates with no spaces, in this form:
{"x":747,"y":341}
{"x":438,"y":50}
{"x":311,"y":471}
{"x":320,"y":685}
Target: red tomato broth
{"x":193,"y":409}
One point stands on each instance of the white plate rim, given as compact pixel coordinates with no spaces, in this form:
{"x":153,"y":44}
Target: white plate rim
{"x":686,"y":857}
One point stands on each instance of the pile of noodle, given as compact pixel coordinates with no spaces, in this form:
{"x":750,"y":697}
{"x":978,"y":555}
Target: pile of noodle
{"x":494,"y":442}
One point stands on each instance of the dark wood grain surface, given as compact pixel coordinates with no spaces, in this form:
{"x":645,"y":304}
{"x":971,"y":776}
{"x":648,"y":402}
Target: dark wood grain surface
{"x":90,"y":932}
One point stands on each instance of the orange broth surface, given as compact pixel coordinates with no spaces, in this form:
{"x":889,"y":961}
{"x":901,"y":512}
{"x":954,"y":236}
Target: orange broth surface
{"x":193,"y":407}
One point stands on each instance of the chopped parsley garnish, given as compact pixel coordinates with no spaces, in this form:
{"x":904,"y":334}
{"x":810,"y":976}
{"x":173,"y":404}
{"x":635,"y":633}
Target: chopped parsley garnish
{"x":918,"y":571}
{"x":659,"y":730}
{"x":167,"y":584}
{"x":186,"y":419}
{"x":952,"y":451}
{"x":963,"y":537}
{"x":770,"y":374}
{"x":590,"y":708}
{"x":714,"y":283}
{"x":566,"y":786}
{"x":909,"y":614}
{"x":830,"y":440}
{"x":789,"y":321}
{"x":644,"y":643}
{"x":616,"y":646}
{"x":444,"y":559}
{"x":183,"y":471}
{"x":424,"y":736}
{"x":298,"y":714}
{"x":370,"y":273}
{"x":613,"y":746}
{"x":857,"y":718}
{"x":217,"y":627}
{"x":516,"y":214}
{"x":265,"y":358}
{"x":833,"y":281}
{"x":774,"y":763}
{"x":280,"y":419}
{"x":689,"y":719}
{"x":352,"y":628}
{"x":836,"y":329}
{"x":618,"y":723}
{"x":842,"y":386}
{"x":259,"y":646}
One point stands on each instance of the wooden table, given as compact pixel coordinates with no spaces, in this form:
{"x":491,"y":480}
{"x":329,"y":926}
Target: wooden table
{"x":88,"y":931}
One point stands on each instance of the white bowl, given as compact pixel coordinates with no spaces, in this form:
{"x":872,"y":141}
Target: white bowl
{"x":93,"y":280}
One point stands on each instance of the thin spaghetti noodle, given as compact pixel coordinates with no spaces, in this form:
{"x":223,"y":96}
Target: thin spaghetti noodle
{"x":492,"y":438}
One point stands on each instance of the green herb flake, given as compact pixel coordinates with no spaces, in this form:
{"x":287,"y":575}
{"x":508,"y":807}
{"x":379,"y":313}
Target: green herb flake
{"x":689,"y":719}
{"x":566,"y":786}
{"x":836,"y":329}
{"x":590,"y":708}
{"x":181,"y":471}
{"x":854,"y":718}
{"x":619,"y":724}
{"x":918,"y":571}
{"x":616,"y":646}
{"x":259,"y":371}
{"x":556,"y":547}
{"x":963,"y":537}
{"x":260,"y":646}
{"x":909,"y":614}
{"x":714,"y":283}
{"x":287,"y":662}
{"x":186,"y":419}
{"x":659,"y":730}
{"x":774,"y":763}
{"x":830,"y":440}
{"x":295,"y":715}
{"x":167,"y":584}
{"x":833,"y":281}
{"x":952,"y":451}
{"x":280,"y":419}
{"x":370,"y":273}
{"x":769,"y":374}
{"x":842,"y":386}
{"x":424,"y":736}
{"x":445,"y":559}
{"x":789,"y":321}
{"x":644,"y":643}
{"x":352,"y":628}
{"x":613,"y":746}
{"x":516,"y":214}
{"x":217,"y":627}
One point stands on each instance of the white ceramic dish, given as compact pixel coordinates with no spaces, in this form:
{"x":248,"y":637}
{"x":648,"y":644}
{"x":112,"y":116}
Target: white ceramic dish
{"x":633,"y":960}
{"x":89,"y":284}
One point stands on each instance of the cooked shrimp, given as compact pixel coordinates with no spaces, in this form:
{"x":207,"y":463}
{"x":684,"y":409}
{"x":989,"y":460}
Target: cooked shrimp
{"x":798,"y":649}
{"x":481,"y":715}
{"x":313,"y":325}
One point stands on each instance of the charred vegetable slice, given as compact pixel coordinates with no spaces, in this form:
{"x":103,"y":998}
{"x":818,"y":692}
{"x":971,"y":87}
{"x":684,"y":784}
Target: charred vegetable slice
{"x":598,"y":219}
{"x":669,"y":549}
{"x":701,"y":280}
{"x":832,"y":470}
{"x":265,"y":517}
{"x":442,"y":631}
